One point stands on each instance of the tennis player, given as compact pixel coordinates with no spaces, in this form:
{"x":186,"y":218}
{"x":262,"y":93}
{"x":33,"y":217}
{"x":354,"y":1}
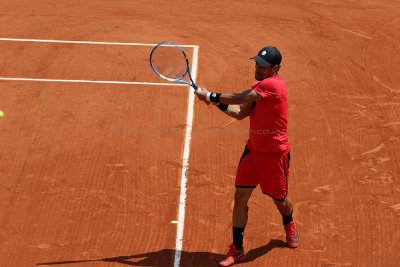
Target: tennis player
{"x":266,"y":157}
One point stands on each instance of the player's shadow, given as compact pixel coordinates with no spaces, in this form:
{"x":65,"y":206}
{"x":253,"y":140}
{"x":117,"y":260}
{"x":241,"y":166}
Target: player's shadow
{"x":165,"y":257}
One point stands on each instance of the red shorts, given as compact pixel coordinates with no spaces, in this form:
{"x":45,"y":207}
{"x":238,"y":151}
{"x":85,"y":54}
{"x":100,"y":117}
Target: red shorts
{"x":269,"y":169}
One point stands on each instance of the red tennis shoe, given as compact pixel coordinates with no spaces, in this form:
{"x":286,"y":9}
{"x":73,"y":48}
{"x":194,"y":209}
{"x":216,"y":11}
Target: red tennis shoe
{"x":233,"y":256}
{"x":292,"y":236}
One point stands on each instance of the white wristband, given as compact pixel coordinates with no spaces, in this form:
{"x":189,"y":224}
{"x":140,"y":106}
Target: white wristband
{"x":208,"y":96}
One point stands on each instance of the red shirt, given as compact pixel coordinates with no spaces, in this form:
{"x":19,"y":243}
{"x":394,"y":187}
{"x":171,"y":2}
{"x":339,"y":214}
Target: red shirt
{"x":268,"y":117}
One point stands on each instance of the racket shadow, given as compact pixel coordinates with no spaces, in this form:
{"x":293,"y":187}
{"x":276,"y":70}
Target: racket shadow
{"x":165,"y":257}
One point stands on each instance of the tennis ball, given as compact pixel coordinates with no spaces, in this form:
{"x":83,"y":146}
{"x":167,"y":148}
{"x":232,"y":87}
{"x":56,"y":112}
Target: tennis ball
{"x":1,"y":114}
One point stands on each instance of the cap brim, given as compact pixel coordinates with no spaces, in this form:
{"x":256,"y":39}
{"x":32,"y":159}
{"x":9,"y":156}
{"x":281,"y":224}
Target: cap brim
{"x":261,"y":61}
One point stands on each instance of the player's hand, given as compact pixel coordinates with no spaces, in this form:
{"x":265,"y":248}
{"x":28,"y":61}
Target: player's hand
{"x":201,"y":95}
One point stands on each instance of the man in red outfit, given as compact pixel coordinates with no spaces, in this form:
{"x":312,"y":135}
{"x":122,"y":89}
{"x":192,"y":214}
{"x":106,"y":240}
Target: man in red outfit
{"x":266,"y":157}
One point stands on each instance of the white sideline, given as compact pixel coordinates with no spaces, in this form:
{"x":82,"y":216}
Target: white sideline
{"x":185,"y":163}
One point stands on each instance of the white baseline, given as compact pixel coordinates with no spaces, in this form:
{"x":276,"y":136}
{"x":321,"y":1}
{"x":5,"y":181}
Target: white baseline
{"x":88,"y":81}
{"x":81,"y":42}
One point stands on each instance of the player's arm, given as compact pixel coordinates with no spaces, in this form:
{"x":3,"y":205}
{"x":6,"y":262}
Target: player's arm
{"x":234,"y":98}
{"x":235,"y":105}
{"x":238,"y":112}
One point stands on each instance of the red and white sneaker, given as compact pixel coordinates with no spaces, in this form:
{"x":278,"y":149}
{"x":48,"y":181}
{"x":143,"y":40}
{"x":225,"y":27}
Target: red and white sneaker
{"x":233,"y":256}
{"x":292,"y":236}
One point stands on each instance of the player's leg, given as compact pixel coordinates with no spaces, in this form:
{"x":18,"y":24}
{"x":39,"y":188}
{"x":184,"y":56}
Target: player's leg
{"x":239,"y":221}
{"x":285,"y":207}
{"x":245,"y":182}
{"x":273,"y":169}
{"x":240,"y":215}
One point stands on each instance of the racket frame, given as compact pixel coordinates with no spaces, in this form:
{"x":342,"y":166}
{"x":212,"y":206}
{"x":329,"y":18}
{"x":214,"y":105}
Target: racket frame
{"x":180,"y":79}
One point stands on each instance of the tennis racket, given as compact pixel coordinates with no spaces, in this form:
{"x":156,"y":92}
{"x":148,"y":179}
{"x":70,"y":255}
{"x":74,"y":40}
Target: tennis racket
{"x":170,"y":62}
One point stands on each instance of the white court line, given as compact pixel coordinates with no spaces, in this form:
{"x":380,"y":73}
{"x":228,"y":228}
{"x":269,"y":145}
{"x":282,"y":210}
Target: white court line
{"x":81,"y":42}
{"x":88,"y":81}
{"x":185,"y":163}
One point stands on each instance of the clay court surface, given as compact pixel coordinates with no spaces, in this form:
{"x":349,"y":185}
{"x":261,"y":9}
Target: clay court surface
{"x":90,"y":173}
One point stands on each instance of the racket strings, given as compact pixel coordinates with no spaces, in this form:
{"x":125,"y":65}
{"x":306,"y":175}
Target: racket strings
{"x":169,"y":61}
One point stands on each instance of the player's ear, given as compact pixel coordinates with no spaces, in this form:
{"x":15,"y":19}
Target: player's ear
{"x":275,"y":68}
